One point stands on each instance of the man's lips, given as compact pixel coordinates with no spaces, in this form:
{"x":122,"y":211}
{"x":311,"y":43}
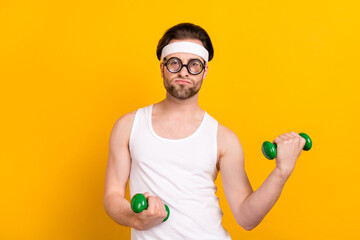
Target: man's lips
{"x":182,"y":81}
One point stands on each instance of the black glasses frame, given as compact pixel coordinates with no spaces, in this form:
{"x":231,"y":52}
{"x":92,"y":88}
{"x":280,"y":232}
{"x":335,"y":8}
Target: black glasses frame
{"x":184,"y":65}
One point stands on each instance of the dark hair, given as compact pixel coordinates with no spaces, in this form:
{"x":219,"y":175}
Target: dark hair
{"x":185,"y":31}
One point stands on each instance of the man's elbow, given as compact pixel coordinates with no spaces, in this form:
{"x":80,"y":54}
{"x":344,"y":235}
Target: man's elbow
{"x":108,"y":203}
{"x":248,"y":228}
{"x":246,"y":225}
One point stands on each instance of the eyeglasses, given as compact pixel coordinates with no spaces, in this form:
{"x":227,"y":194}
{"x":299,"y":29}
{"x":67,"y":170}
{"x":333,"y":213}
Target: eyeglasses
{"x":194,"y":66}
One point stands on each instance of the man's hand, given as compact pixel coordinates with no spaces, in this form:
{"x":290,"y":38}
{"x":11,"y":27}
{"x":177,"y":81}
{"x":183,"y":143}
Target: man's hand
{"x":249,"y":207}
{"x":289,"y":147}
{"x":153,"y":215}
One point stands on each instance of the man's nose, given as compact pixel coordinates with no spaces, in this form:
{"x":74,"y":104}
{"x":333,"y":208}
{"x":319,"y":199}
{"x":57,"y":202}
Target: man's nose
{"x":184,"y":71}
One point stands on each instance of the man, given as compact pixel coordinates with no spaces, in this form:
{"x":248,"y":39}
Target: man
{"x":172,"y":151}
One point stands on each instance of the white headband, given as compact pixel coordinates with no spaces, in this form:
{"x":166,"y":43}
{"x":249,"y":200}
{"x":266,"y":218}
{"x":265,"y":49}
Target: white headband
{"x":185,"y":47}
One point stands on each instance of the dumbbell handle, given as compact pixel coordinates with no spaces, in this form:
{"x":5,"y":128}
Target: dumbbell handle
{"x":269,"y":149}
{"x":139,"y":204}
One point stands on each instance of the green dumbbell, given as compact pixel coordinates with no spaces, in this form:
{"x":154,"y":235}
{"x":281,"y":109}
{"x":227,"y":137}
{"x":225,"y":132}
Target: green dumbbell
{"x":139,"y":204}
{"x":269,"y":149}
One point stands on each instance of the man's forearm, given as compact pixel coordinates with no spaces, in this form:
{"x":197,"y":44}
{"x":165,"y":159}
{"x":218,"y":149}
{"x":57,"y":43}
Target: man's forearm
{"x":118,"y":208}
{"x":259,"y":203}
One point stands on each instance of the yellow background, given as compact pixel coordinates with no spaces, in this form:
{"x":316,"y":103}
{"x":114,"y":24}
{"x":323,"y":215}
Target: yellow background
{"x":70,"y":69}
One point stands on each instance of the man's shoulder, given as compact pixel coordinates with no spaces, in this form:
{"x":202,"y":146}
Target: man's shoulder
{"x":124,"y":123}
{"x":225,"y":132}
{"x":127,"y":117}
{"x":226,"y":138}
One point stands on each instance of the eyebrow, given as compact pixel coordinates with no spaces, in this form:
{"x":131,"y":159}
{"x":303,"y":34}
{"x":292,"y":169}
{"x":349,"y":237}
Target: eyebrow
{"x":188,"y":59}
{"x":195,"y":59}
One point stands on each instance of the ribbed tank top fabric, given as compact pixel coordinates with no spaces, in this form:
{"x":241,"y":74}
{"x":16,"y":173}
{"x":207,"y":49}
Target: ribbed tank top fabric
{"x":181,"y":172}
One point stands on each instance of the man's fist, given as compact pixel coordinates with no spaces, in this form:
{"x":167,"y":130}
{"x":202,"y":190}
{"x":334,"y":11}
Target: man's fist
{"x":153,"y":215}
{"x":289,"y":147}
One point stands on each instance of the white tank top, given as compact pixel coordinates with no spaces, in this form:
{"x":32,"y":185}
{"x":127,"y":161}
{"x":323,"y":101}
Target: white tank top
{"x":181,"y":172}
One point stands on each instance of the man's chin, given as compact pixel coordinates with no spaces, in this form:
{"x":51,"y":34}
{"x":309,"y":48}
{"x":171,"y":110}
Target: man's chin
{"x":181,"y":92}
{"x":180,"y":96}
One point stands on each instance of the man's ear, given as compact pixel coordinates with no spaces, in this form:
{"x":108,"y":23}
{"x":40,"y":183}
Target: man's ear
{"x":206,"y":71}
{"x":161,"y":69}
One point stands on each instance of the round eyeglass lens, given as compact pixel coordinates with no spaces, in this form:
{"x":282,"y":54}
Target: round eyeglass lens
{"x":174,"y":65}
{"x":195,"y":66}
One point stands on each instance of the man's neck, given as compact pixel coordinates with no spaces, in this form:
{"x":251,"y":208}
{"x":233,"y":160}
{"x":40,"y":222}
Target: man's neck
{"x":187,"y":108}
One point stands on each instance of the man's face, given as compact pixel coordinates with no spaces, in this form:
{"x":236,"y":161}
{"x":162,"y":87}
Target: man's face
{"x":183,"y":85}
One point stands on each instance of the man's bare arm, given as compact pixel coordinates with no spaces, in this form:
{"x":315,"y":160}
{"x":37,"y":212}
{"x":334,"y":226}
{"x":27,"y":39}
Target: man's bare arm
{"x":117,"y":173}
{"x":116,"y":178}
{"x":249,"y":208}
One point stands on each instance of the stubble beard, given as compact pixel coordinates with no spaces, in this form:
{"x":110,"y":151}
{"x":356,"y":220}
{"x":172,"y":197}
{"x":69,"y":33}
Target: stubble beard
{"x":180,"y":91}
